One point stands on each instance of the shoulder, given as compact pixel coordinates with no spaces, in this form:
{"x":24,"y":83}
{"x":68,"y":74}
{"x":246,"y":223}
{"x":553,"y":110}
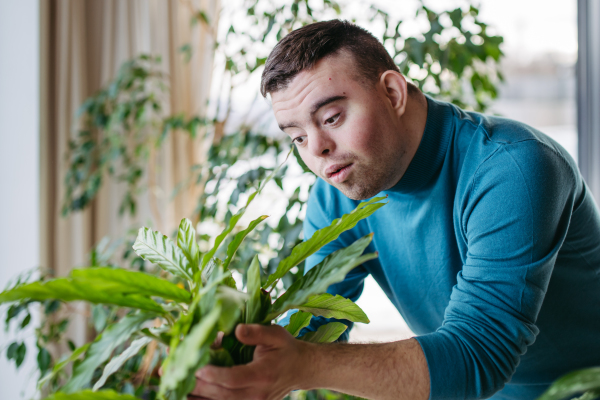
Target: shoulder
{"x":504,"y":149}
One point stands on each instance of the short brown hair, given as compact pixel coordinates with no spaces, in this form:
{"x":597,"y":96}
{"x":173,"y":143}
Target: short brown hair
{"x":302,"y":48}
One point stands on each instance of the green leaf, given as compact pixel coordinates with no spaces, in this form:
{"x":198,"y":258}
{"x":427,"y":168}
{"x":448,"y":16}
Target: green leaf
{"x":232,"y":303}
{"x":253,"y":306}
{"x":326,"y":333}
{"x":159,"y":249}
{"x":323,"y":236}
{"x":60,"y":365}
{"x":573,"y":383}
{"x":43,"y":359}
{"x":219,"y":239}
{"x":118,"y":361}
{"x":68,"y":289}
{"x":329,"y":306}
{"x":331,"y":270}
{"x":221,"y":358}
{"x":234,"y":219}
{"x":101,"y":349}
{"x":20,"y":354}
{"x":298,"y":321}
{"x":237,"y":240}
{"x":89,"y":395}
{"x":187,"y":357}
{"x":124,"y":281}
{"x":186,"y":240}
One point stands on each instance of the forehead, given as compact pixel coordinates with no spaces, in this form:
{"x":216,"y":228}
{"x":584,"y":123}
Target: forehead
{"x":333,"y":75}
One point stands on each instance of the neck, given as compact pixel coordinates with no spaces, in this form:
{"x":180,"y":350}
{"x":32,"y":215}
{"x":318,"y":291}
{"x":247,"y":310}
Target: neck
{"x":414,"y":120}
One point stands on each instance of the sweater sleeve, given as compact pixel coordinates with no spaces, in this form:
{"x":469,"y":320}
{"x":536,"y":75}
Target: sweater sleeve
{"x":514,"y":218}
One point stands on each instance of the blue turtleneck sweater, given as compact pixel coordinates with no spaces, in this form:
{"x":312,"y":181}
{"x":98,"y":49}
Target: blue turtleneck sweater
{"x":490,"y":249}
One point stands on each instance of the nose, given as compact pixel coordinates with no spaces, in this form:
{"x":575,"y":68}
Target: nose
{"x":321,"y":143}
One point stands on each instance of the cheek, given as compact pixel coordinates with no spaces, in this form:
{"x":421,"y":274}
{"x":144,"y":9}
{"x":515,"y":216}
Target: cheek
{"x":364,"y":135}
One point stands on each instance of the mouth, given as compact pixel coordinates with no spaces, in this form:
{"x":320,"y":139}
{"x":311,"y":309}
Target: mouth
{"x":338,"y":173}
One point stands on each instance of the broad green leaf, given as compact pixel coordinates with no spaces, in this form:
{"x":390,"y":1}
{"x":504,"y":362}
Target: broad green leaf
{"x":101,"y":349}
{"x":573,"y":383}
{"x":159,"y":249}
{"x":237,"y":240}
{"x":323,"y":236}
{"x":90,"y":395}
{"x":329,"y":306}
{"x":591,"y":395}
{"x":232,"y":303}
{"x":253,"y":306}
{"x":326,"y":333}
{"x":60,"y":365}
{"x":68,"y":289}
{"x":124,"y":281}
{"x":331,"y":270}
{"x":118,"y":361}
{"x":298,"y":321}
{"x":186,"y":240}
{"x":219,"y":239}
{"x":186,"y":357}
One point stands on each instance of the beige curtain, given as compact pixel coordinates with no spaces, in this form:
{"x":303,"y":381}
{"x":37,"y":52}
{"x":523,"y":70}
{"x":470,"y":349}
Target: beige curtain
{"x":83,"y":45}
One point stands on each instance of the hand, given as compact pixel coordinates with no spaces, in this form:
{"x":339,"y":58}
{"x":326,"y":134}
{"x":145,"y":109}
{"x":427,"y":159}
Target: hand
{"x":278,"y":363}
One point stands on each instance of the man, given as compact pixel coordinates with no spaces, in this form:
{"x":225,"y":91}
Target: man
{"x":489,"y":246}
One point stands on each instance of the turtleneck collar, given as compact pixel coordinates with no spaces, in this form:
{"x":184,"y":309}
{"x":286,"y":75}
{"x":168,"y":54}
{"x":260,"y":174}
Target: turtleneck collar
{"x":431,"y":151}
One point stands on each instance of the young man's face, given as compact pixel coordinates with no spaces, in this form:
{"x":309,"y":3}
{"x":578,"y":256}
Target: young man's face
{"x":346,"y":131}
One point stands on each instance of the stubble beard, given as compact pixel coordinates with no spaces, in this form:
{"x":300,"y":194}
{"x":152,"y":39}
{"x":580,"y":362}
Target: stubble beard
{"x":367,"y":180}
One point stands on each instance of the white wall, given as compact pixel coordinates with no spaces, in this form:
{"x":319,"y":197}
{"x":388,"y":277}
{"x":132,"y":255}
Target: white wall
{"x":19,"y":170}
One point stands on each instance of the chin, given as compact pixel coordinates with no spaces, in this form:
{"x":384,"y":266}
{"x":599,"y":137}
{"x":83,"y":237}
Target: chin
{"x":360,"y":193}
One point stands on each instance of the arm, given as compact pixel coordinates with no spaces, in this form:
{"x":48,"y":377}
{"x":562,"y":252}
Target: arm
{"x":281,"y":364}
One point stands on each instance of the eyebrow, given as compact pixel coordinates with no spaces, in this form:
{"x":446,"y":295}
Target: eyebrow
{"x":316,"y":107}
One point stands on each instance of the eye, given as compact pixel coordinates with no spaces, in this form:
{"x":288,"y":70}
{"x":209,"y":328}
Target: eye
{"x":332,"y":120}
{"x":298,"y":141}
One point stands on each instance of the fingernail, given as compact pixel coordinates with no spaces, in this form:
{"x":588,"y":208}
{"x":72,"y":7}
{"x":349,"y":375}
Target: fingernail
{"x":243,"y":330}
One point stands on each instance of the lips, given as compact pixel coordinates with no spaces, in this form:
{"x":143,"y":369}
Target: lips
{"x":338,"y":172}
{"x":334,"y":169}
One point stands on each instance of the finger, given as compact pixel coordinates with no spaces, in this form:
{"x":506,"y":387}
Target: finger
{"x":237,"y":377}
{"x":254,"y":334}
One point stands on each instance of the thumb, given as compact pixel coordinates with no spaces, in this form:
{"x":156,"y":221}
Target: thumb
{"x":255,"y":335}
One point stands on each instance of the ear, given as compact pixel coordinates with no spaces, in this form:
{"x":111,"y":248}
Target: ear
{"x":395,"y":89}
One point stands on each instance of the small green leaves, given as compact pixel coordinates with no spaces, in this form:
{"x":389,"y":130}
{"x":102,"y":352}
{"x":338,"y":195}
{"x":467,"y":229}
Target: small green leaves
{"x":59,"y":366}
{"x":298,"y":321}
{"x":16,"y":351}
{"x":329,"y":306}
{"x":325,"y":333}
{"x":323,"y":236}
{"x":159,"y":249}
{"x":186,"y":240}
{"x":102,"y":348}
{"x":575,"y":382}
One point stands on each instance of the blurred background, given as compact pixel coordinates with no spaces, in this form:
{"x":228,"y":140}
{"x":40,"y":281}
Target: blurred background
{"x":118,"y":114}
